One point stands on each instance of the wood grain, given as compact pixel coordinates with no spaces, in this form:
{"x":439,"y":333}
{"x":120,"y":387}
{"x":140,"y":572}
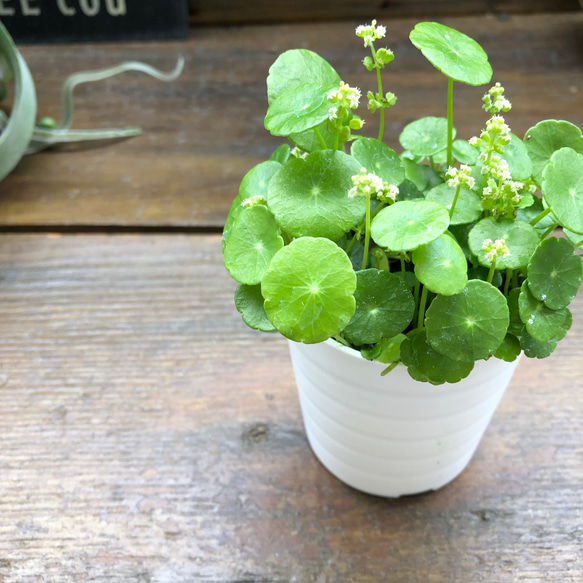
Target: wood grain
{"x":205,"y":131}
{"x":148,"y":436}
{"x":229,"y":12}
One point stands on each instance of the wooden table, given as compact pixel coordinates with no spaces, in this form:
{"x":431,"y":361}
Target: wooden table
{"x":148,"y":436}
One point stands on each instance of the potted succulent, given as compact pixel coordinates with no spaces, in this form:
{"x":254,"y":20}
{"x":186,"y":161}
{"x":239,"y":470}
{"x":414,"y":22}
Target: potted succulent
{"x":394,"y":272}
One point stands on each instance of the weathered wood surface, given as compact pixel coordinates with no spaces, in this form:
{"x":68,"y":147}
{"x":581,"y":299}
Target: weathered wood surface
{"x":148,"y":436}
{"x":230,"y":12}
{"x":203,"y":132}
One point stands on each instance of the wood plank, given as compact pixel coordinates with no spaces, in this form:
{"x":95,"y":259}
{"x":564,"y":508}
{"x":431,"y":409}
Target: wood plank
{"x":147,"y":435}
{"x":202,"y":133}
{"x":229,"y":12}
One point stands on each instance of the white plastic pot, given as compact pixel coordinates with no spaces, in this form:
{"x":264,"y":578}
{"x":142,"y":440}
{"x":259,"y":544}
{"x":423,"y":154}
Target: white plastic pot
{"x":392,"y":436}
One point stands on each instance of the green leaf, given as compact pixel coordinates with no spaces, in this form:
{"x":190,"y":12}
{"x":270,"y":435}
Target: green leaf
{"x":17,"y":133}
{"x":464,"y":153}
{"x":482,"y":273}
{"x":535,"y":349}
{"x":249,"y":303}
{"x":386,"y":351}
{"x":298,"y":109}
{"x":406,"y":225}
{"x":309,"y":142}
{"x":468,"y":326}
{"x":415,"y":173}
{"x":308,"y":290}
{"x":509,"y":350}
{"x":310,"y":197}
{"x":425,"y":137}
{"x":575,"y":238}
{"x":253,"y":241}
{"x":516,"y":326}
{"x":427,"y":365}
{"x":453,"y":53}
{"x":384,"y":307}
{"x":545,"y":138}
{"x":541,"y":322}
{"x":379,"y":159}
{"x":281,"y":155}
{"x":555,"y":273}
{"x":527,"y":214}
{"x":520,"y":237}
{"x":519,"y":162}
{"x":297,"y":67}
{"x":468,"y":207}
{"x":441,"y":265}
{"x":408,"y":191}
{"x":254,"y":183}
{"x":563,"y":188}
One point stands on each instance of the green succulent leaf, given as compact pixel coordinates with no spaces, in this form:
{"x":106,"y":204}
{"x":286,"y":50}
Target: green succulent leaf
{"x":308,"y":290}
{"x":297,"y":67}
{"x":379,"y":159}
{"x":298,"y":109}
{"x":562,"y":188}
{"x":468,"y":207}
{"x":427,"y":365}
{"x":388,"y":350}
{"x":470,"y":325}
{"x":253,"y":241}
{"x":509,"y":350}
{"x":406,"y":225}
{"x":384,"y":307}
{"x":254,"y":183}
{"x":441,"y":265}
{"x":555,"y":273}
{"x":425,"y":137}
{"x":541,"y":322}
{"x":545,"y":138}
{"x":309,"y":197}
{"x":453,"y":53}
{"x":249,"y":303}
{"x":521,"y":239}
{"x":519,"y":162}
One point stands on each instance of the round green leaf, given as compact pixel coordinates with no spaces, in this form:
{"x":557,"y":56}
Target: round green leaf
{"x":297,"y":67}
{"x":545,"y":138}
{"x":453,"y":53}
{"x":468,"y":207}
{"x":308,"y":290}
{"x":386,"y":351}
{"x":415,"y":174}
{"x":384,"y":307}
{"x":408,"y":191}
{"x":298,"y":109}
{"x":509,"y":350}
{"x":555,"y":273}
{"x":520,"y":237}
{"x":535,"y":349}
{"x":309,"y":197}
{"x":379,"y":159}
{"x":425,"y":137}
{"x":519,"y":162}
{"x":249,"y":303}
{"x":427,"y":365}
{"x":406,"y":225}
{"x":470,"y":325}
{"x":541,"y":322}
{"x":563,"y":188}
{"x":464,"y":153}
{"x":254,"y":183}
{"x":253,"y":241}
{"x":441,"y":265}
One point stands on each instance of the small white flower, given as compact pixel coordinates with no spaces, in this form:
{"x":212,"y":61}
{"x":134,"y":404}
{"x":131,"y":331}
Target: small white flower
{"x":495,"y":250}
{"x":333,"y":113}
{"x":253,"y":201}
{"x":370,"y":32}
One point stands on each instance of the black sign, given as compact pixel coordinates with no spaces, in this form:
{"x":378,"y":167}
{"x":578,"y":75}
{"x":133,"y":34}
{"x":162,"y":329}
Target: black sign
{"x":41,"y":21}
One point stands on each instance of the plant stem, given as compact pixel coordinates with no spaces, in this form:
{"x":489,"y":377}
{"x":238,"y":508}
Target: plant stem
{"x":492,"y":271}
{"x":579,"y":244}
{"x":507,"y":282}
{"x":403,"y":266}
{"x":389,"y":368}
{"x":320,"y":139}
{"x":380,"y":95}
{"x":449,"y":120}
{"x":366,"y":233}
{"x":422,"y":303}
{"x":540,"y":216}
{"x":457,"y":193}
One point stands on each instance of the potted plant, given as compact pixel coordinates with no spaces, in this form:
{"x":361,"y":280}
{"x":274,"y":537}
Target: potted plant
{"x":394,"y":272}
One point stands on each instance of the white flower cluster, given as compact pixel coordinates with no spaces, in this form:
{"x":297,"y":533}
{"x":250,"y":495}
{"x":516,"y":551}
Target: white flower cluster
{"x":370,"y":32}
{"x":371,"y":185}
{"x":494,"y":100}
{"x":495,"y":249}
{"x":461,"y":176}
{"x":297,"y":153}
{"x":345,"y":96}
{"x":252,"y":201}
{"x":493,"y":138}
{"x":503,"y":192}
